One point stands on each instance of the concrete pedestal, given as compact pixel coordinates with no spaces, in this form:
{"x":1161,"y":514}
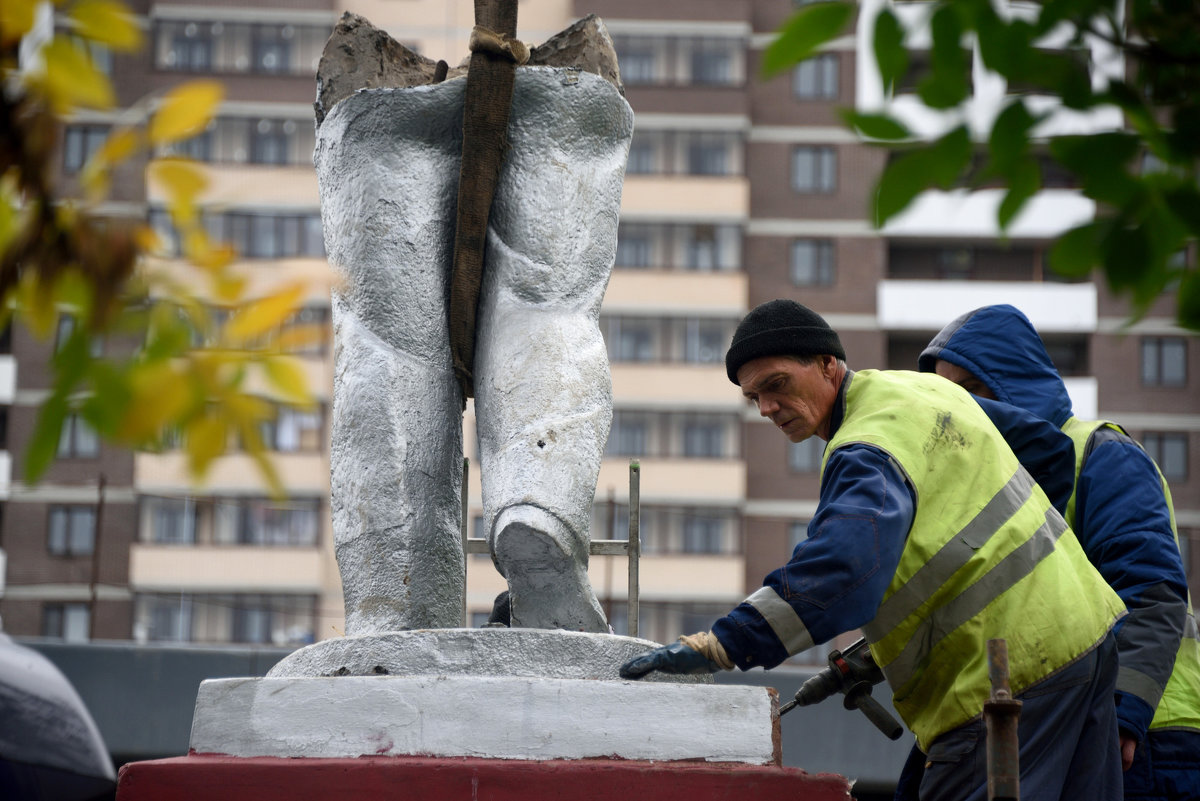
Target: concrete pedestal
{"x":504,"y":714}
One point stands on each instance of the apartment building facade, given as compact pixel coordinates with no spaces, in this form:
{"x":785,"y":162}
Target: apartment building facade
{"x":738,"y":190}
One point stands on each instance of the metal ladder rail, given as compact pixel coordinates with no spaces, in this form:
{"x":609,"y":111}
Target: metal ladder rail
{"x":630,"y":548}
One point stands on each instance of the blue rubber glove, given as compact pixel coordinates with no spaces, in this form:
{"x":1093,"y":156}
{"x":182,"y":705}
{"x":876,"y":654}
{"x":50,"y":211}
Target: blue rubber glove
{"x":675,"y":658}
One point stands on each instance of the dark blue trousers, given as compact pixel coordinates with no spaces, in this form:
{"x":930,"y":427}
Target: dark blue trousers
{"x":1068,"y":741}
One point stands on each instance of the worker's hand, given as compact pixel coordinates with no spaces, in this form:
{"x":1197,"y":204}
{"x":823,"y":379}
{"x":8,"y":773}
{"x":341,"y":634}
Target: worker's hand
{"x":674,"y":658}
{"x":1128,"y":746}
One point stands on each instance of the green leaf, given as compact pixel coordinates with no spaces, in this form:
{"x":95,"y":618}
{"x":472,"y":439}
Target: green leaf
{"x":876,"y":126}
{"x":1126,"y":255}
{"x":1008,"y":143}
{"x":947,"y":83}
{"x":803,"y":34}
{"x":1187,"y":301}
{"x":938,"y":165}
{"x":43,"y":445}
{"x":1184,"y":202}
{"x":1101,"y":161}
{"x":1024,"y":182}
{"x":1076,"y":252}
{"x":890,"y":55}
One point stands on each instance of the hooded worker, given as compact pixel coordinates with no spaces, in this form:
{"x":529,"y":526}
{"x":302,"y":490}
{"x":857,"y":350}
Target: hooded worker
{"x":1121,"y":512}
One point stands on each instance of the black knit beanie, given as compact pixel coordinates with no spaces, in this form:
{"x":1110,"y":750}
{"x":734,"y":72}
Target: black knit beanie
{"x":780,"y":328}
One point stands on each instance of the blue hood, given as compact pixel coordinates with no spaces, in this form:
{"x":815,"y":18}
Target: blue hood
{"x":1002,"y":349}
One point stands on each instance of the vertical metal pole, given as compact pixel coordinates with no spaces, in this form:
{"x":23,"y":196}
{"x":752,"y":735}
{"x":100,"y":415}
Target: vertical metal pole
{"x":609,"y":534}
{"x":92,"y":606}
{"x":1001,"y":713}
{"x":635,"y":543}
{"x":464,"y":529}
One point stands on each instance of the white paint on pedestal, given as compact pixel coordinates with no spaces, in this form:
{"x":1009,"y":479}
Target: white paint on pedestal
{"x":489,"y":717}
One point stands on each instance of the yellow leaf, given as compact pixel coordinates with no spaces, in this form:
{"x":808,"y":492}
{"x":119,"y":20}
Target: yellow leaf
{"x":183,"y":180}
{"x":108,"y":22}
{"x":35,"y":302}
{"x":247,"y":411}
{"x":287,"y":376}
{"x":69,"y":79}
{"x":263,"y":315}
{"x":185,"y":111}
{"x":158,"y":396}
{"x":295,"y":337}
{"x":119,"y":145}
{"x":16,"y":20}
{"x":204,"y":439}
{"x":229,"y":288}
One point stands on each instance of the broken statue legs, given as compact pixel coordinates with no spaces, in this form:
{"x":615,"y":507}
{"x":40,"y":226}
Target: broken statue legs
{"x":387,"y":163}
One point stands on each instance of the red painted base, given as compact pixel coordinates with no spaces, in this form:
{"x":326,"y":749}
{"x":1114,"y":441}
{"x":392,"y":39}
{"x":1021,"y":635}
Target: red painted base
{"x":220,"y":778}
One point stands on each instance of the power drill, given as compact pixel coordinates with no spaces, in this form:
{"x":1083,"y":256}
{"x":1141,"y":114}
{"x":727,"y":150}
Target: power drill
{"x":851,"y":672}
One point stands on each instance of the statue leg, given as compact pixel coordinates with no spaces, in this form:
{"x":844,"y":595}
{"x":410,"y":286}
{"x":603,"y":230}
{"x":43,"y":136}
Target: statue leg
{"x":543,"y":390}
{"x":387,"y":164}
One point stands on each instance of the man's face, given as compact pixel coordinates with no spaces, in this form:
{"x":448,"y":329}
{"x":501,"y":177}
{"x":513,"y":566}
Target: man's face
{"x":964,"y":378}
{"x":798,"y":398}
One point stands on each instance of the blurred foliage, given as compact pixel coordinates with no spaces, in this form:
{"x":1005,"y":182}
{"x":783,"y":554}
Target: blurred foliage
{"x":1143,"y":177}
{"x":192,"y":365}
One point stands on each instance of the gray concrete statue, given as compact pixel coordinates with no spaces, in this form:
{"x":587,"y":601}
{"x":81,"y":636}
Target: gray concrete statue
{"x":388,"y":153}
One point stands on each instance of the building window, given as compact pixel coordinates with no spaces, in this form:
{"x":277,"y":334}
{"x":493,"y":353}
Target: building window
{"x":72,"y":530}
{"x":80,"y":143}
{"x":631,"y":339}
{"x":641,"y":156}
{"x":197,"y":148}
{"x":712,"y":63}
{"x":797,"y":532}
{"x":293,"y":430}
{"x":1164,"y":361}
{"x":805,"y":456}
{"x":634,"y":246}
{"x":816,"y":78}
{"x":703,"y":439}
{"x":628,"y":436}
{"x":67,"y":621}
{"x":955,"y":263}
{"x":812,"y":262}
{"x":638,"y":62}
{"x":272,"y":48}
{"x":291,"y":523}
{"x":269,"y":141}
{"x":170,"y":521}
{"x":702,"y":534}
{"x":814,"y":169}
{"x":704,"y":341}
{"x":1170,"y":452}
{"x":78,"y":440}
{"x":707,"y":156}
{"x":190,"y":47}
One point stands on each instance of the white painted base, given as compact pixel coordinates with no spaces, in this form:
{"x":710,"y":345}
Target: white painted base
{"x":493,"y":716}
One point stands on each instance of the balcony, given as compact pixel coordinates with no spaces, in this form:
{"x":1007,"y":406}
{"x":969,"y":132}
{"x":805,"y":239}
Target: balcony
{"x":960,"y":213}
{"x":302,"y":474}
{"x":670,"y":198}
{"x":173,"y":568}
{"x":691,"y":292}
{"x":686,"y":482}
{"x":929,"y":305}
{"x":676,"y":387}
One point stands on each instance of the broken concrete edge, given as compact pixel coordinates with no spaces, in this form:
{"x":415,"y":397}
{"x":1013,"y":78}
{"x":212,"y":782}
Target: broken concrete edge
{"x":360,"y":56}
{"x":512,"y":652}
{"x":489,"y":717}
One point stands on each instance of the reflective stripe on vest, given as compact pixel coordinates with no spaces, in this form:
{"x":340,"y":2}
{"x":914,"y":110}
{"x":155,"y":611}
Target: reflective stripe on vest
{"x":1179,"y":704}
